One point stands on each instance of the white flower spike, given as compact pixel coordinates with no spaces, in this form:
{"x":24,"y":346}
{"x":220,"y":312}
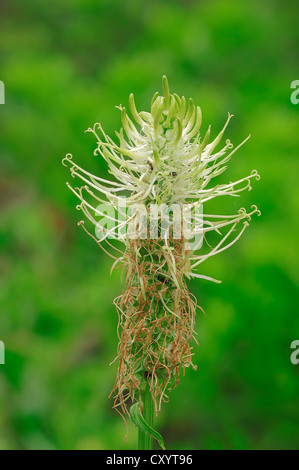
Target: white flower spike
{"x":160,"y":159}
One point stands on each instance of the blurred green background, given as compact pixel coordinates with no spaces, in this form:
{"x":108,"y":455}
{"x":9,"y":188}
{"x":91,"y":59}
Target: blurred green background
{"x":65,"y":66}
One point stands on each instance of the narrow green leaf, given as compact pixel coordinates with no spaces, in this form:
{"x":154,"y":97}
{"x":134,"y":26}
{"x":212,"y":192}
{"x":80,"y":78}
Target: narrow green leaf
{"x":139,"y":421}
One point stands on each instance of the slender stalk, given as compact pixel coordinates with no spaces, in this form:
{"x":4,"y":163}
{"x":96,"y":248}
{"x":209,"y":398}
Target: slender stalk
{"x":145,"y":440}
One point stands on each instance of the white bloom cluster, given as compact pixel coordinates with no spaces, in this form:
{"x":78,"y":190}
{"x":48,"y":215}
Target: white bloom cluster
{"x":163,"y":158}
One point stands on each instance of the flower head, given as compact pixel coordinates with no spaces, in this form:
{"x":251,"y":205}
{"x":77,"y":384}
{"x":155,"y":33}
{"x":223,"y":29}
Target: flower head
{"x":160,"y":159}
{"x":163,"y":158}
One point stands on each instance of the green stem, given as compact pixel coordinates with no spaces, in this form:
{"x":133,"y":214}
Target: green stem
{"x":145,"y":440}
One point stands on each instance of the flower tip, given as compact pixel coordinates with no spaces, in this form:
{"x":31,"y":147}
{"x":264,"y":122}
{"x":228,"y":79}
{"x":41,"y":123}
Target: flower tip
{"x":165,"y":87}
{"x":67,"y":158}
{"x":256,"y":175}
{"x":256,"y":210}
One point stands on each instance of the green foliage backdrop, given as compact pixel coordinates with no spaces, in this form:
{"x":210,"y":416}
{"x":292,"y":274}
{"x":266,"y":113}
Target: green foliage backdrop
{"x":65,"y":66}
